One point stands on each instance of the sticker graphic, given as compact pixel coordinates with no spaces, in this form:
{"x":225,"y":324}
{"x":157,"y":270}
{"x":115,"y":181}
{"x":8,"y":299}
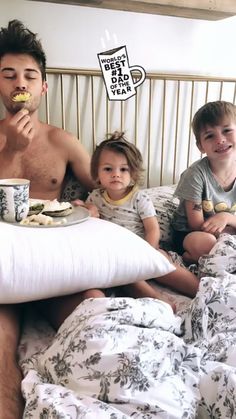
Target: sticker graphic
{"x":117,"y":75}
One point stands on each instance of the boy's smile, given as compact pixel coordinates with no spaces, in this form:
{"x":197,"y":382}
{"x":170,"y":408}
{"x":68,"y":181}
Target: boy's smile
{"x":218,"y":140}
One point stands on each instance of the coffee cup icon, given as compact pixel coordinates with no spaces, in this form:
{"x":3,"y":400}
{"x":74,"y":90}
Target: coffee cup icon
{"x":117,"y":73}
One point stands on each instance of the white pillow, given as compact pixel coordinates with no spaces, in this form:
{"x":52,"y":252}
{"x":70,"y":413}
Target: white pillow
{"x":37,"y":263}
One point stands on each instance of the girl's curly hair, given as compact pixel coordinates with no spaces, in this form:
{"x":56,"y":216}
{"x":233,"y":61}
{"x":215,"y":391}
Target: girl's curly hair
{"x":117,"y":143}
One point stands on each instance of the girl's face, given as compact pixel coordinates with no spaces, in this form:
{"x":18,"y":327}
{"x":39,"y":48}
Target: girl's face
{"x":218,"y":141}
{"x":114,"y":173}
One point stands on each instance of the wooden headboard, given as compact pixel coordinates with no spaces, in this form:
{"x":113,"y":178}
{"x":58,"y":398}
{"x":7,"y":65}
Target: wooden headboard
{"x":157,"y":119}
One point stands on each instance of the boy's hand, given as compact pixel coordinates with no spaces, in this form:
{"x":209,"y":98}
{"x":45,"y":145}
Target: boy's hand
{"x":217,"y":223}
{"x":20,"y":131}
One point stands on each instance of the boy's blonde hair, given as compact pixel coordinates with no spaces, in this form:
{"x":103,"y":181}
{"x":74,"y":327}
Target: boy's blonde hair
{"x":118,"y":144}
{"x":212,"y":113}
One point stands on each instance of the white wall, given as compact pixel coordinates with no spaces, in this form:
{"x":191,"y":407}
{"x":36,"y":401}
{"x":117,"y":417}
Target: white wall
{"x":72,"y":37}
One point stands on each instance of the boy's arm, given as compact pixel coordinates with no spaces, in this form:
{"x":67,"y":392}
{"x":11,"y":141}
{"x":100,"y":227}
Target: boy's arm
{"x":194,"y":215}
{"x":152,"y":231}
{"x":215,"y":224}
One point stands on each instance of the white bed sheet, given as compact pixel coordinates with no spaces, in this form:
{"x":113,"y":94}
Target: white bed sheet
{"x":125,"y":358}
{"x":37,"y":332}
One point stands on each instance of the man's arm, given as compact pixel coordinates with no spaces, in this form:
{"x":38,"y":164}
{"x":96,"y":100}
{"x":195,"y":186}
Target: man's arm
{"x":79,"y":161}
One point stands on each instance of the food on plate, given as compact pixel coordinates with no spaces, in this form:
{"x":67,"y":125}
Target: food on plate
{"x":35,"y":206}
{"x":57,"y":209}
{"x":21,"y":97}
{"x":52,"y":208}
{"x":41,"y":219}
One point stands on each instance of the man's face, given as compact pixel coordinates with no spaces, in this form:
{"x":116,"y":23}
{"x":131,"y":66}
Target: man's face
{"x":20,"y":73}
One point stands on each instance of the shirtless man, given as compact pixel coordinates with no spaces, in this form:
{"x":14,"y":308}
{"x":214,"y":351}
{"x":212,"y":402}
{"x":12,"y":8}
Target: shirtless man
{"x":39,"y":152}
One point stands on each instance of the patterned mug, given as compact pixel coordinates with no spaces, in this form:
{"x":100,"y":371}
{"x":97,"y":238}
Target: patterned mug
{"x":14,"y":199}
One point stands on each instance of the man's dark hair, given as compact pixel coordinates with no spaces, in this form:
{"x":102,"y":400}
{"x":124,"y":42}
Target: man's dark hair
{"x":17,"y":39}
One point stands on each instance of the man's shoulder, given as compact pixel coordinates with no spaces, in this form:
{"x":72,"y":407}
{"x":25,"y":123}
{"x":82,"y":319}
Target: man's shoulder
{"x":57,"y":134}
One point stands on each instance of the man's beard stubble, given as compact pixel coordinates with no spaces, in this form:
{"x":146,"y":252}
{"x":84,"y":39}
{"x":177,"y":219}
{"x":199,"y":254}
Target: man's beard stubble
{"x":14,"y":107}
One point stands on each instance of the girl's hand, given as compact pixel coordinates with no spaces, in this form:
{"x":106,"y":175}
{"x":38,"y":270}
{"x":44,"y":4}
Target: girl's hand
{"x":93,"y":211}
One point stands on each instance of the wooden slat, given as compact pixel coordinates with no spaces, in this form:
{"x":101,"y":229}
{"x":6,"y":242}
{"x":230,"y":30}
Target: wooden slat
{"x":194,"y":9}
{"x":158,"y":119}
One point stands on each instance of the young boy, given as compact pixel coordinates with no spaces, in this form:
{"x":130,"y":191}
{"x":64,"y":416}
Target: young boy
{"x":207,"y":189}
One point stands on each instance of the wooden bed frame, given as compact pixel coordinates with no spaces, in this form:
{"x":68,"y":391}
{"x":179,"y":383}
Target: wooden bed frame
{"x":157,"y":119}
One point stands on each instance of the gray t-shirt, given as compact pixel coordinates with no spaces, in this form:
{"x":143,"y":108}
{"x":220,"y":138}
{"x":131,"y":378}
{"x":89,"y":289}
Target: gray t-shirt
{"x":197,"y":184}
{"x":127,"y":212}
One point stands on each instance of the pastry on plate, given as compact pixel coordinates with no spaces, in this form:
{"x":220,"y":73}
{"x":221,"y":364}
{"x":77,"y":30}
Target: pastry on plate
{"x":35,"y":206}
{"x":41,"y":220}
{"x":57,"y":209}
{"x":52,"y":208}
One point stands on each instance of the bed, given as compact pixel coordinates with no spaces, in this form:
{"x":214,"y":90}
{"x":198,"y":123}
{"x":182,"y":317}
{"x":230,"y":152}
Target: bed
{"x":121,"y":358}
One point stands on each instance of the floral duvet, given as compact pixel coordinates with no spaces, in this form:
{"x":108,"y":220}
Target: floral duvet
{"x":122,"y":358}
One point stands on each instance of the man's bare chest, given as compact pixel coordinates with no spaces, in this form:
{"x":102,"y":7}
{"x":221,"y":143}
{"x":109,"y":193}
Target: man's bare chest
{"x":44,"y":168}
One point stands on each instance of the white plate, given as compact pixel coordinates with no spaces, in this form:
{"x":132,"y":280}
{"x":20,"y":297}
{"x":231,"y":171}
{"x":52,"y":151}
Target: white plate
{"x":78,"y":215}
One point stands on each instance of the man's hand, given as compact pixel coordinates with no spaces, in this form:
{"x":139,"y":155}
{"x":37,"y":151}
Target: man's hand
{"x":93,"y":211}
{"x":20,"y":131}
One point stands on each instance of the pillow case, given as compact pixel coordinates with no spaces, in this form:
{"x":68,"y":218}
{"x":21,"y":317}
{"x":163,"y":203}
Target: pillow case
{"x":162,"y":197}
{"x":37,"y":263}
{"x":72,"y":189}
{"x":165,"y":204}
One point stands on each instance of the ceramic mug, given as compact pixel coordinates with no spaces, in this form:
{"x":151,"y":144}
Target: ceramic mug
{"x":116,"y":71}
{"x":14,"y":199}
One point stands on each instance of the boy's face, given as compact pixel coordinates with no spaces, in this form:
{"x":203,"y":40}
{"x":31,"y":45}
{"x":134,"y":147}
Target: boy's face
{"x":218,"y":141}
{"x":20,"y":73}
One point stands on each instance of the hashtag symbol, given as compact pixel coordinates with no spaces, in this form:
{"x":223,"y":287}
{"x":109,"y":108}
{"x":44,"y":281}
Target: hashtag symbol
{"x":113,"y":73}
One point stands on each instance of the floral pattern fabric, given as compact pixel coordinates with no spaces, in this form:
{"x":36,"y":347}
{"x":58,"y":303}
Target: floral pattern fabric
{"x":122,"y":358}
{"x":165,"y":205}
